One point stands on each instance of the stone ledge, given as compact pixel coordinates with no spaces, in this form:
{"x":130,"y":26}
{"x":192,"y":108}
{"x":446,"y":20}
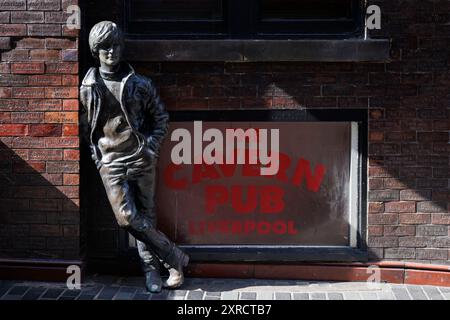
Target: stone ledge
{"x":354,"y":50}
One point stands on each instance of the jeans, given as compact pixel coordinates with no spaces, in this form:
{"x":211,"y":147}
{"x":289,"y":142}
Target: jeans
{"x":130,"y":187}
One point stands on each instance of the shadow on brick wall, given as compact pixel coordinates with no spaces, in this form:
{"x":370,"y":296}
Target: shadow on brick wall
{"x":39,"y":211}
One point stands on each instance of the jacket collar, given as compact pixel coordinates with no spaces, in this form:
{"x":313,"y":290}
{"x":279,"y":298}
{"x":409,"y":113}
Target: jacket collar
{"x":92,"y":75}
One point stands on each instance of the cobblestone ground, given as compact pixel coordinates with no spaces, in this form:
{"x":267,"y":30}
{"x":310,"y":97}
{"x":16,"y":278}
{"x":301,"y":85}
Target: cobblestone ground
{"x":113,"y":288}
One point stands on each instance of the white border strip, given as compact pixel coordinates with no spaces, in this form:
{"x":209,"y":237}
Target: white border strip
{"x":353,"y":201}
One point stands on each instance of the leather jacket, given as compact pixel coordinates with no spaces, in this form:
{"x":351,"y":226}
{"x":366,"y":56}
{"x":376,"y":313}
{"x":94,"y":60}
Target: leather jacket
{"x":140,"y":103}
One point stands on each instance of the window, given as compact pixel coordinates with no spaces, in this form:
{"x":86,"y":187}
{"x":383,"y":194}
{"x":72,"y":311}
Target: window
{"x":241,"y":19}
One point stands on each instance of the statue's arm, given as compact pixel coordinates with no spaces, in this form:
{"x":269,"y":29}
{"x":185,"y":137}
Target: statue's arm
{"x":158,"y":117}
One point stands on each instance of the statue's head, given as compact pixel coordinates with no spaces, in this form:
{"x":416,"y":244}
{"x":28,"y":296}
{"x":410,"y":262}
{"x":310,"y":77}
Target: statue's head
{"x":106,"y":43}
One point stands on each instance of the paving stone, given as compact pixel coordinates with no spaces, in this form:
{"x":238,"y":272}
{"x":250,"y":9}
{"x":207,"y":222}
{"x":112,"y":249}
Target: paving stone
{"x":34,"y":293}
{"x":282,"y":296}
{"x":91,"y":290}
{"x":5,"y":286}
{"x":52,"y":293}
{"x":318,"y":296}
{"x":107,"y":293}
{"x":18,"y":290}
{"x":301,"y":296}
{"x":86,"y":297}
{"x":369,"y":295}
{"x":264,"y":295}
{"x":433,"y":293}
{"x":125,"y":293}
{"x":142,"y":296}
{"x":335,"y":296}
{"x":177,"y":295}
{"x":247,"y":296}
{"x":352,"y":296}
{"x":230,"y":295}
{"x":386,"y":295}
{"x":160,"y":296}
{"x":417,"y":293}
{"x":400,"y":293}
{"x":71,"y":294}
{"x":195,"y":295}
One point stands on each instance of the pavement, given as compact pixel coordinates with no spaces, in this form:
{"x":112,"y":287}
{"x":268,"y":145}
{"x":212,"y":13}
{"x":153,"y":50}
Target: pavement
{"x":101,"y":287}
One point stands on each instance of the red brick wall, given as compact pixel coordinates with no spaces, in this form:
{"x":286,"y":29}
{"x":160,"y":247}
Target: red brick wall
{"x":408,"y":101}
{"x":39,"y":159}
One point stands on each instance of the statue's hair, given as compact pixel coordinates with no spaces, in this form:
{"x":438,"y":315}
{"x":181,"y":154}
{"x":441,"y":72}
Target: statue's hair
{"x":102,"y":33}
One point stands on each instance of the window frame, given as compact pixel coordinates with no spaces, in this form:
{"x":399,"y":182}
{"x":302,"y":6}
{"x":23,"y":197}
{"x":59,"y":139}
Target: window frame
{"x":240,"y":22}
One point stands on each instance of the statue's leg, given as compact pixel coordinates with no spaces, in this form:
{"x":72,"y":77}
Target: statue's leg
{"x":143,"y":176}
{"x":122,"y":197}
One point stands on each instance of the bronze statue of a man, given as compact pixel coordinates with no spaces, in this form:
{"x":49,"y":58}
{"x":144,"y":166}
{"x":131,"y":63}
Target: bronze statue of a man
{"x":127,"y":123}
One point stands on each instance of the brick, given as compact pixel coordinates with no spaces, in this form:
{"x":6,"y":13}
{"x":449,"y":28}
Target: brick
{"x":70,"y":179}
{"x":430,"y":230}
{"x":69,"y":192}
{"x":70,"y":130}
{"x":27,"y":68}
{"x":13,"y":105}
{"x":415,"y":195}
{"x":45,"y":230}
{"x":61,"y":117}
{"x":399,"y":253}
{"x":64,"y":142}
{"x":5,"y":43}
{"x":45,"y":104}
{"x":58,"y":43}
{"x":432,"y":136}
{"x":5,"y":68}
{"x":5,"y":17}
{"x":29,"y":167}
{"x":382,"y":219}
{"x":29,"y":92}
{"x":11,"y":130}
{"x":61,"y":92}
{"x":440,"y":219}
{"x":46,"y":154}
{"x":376,"y":207}
{"x":45,"y":130}
{"x":13,"y":30}
{"x":432,"y":207}
{"x":70,"y":80}
{"x":31,"y":43}
{"x":15,"y":55}
{"x":27,"y":117}
{"x":10,"y":80}
{"x":72,"y":155}
{"x":46,"y":5}
{"x":27,"y":17}
{"x":399,"y":230}
{"x":395,"y":183}
{"x":414,"y":242}
{"x":45,"y":55}
{"x":414,"y":218}
{"x":383,"y":242}
{"x":5,"y":93}
{"x":70,"y":55}
{"x":63,"y":167}
{"x":45,"y":80}
{"x":43,"y":30}
{"x":71,"y":230}
{"x":432,"y":254}
{"x":401,"y":206}
{"x":71,"y":105}
{"x":383,"y":195}
{"x":13,"y":5}
{"x":375,"y":231}
{"x":62,"y":68}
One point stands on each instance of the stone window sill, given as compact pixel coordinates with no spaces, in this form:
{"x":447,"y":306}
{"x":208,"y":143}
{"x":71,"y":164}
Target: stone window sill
{"x":352,"y":50}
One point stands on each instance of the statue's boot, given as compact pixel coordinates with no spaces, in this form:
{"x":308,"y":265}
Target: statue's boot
{"x":166,"y":250}
{"x":153,"y":281}
{"x":176,"y":276}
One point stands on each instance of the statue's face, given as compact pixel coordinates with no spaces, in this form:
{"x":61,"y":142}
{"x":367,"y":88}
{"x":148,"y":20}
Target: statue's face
{"x":110,"y":54}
